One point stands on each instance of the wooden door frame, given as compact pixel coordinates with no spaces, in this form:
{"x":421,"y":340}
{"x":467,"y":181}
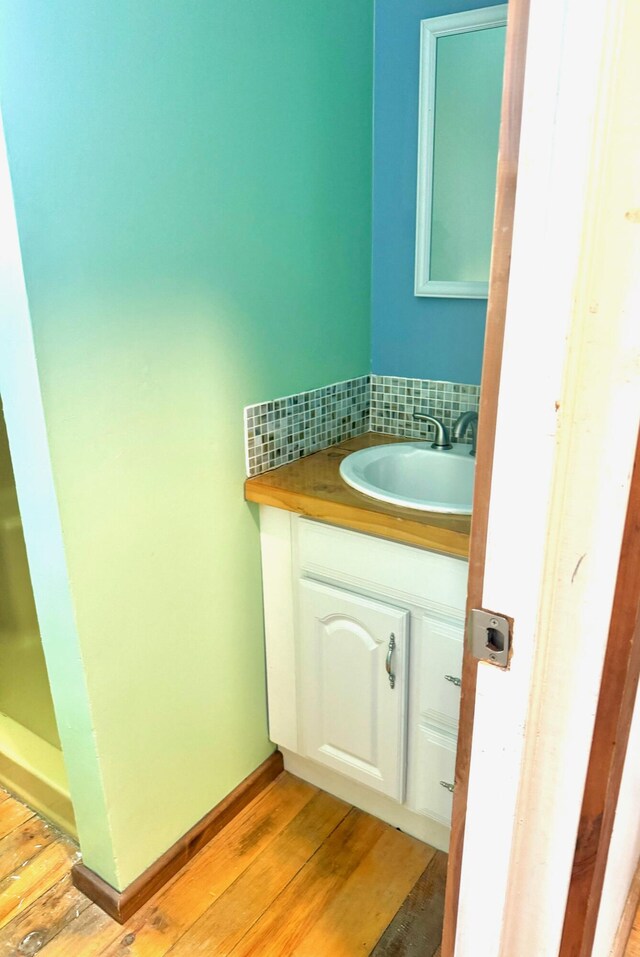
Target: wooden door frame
{"x":616,"y":704}
{"x":507,"y":175}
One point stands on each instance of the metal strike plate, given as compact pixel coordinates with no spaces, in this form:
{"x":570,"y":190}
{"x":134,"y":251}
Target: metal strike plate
{"x":489,"y":637}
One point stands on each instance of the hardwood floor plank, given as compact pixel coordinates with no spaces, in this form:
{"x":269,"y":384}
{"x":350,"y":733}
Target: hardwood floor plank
{"x":86,"y":936}
{"x":416,"y":930}
{"x":12,"y":815}
{"x":23,"y":843}
{"x":292,"y":915}
{"x":371,"y":896}
{"x":27,"y":933}
{"x":161,"y":921}
{"x":297,"y":873}
{"x":32,"y":879}
{"x":228,"y":919}
{"x":226,"y":861}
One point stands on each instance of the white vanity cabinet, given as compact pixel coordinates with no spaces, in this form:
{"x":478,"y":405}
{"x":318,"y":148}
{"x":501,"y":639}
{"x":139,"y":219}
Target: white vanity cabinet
{"x":346,"y":612}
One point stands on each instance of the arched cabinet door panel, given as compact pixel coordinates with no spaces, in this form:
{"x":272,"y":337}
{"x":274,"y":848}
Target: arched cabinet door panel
{"x":354,"y":660}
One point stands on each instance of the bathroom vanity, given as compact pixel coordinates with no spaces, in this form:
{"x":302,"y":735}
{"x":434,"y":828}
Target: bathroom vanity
{"x":363,"y":641}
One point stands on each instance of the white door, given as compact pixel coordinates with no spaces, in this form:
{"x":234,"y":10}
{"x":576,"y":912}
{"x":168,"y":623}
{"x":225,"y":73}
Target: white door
{"x":354,"y":656}
{"x":550,"y":565}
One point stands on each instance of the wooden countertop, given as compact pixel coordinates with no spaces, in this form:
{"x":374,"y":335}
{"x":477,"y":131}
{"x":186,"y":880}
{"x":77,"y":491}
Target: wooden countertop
{"x":312,"y":486}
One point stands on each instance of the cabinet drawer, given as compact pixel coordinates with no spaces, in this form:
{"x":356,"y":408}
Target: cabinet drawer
{"x":441,"y":646}
{"x":363,"y":561}
{"x":435,"y":766}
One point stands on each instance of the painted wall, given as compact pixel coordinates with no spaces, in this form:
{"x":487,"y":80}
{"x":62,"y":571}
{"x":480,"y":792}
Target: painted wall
{"x":24,"y":685}
{"x":412,"y":336}
{"x":193,"y":193}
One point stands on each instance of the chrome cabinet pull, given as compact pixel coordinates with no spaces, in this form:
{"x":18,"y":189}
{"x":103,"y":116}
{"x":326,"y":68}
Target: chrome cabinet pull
{"x":447,"y":786}
{"x":392,"y":645}
{"x":454,"y":681}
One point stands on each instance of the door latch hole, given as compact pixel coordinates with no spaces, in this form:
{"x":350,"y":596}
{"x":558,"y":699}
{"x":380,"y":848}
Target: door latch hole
{"x":495,"y":640}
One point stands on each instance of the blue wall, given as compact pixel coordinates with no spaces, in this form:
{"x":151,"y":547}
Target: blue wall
{"x":412,"y":336}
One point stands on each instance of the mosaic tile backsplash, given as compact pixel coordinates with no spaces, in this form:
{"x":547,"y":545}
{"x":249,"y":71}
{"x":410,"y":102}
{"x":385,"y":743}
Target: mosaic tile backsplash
{"x":393,"y":401}
{"x":284,"y":430}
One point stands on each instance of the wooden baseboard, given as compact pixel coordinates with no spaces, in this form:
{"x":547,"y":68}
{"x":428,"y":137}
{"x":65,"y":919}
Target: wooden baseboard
{"x":122,"y":904}
{"x":628,"y":916}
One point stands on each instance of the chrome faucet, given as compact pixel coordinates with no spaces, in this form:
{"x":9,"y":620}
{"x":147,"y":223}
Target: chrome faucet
{"x":441,"y":438}
{"x":468,"y":420}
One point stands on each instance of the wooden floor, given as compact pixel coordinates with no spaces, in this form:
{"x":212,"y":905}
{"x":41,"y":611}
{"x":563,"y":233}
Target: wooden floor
{"x":633,"y":947}
{"x":298,"y":872}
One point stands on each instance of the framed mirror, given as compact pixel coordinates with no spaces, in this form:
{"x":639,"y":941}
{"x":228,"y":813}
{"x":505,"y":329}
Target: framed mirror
{"x":461,"y":67}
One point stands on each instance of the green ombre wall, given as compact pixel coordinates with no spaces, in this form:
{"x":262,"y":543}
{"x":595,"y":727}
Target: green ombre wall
{"x":192,"y":184}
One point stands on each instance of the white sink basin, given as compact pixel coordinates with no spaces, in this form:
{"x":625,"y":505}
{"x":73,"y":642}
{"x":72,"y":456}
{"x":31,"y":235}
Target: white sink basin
{"x":414,"y":475}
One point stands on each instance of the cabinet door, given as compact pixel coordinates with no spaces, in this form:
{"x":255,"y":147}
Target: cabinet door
{"x":353,"y":716}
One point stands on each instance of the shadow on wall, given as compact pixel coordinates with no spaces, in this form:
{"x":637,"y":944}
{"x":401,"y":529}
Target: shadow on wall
{"x":31,"y":764}
{"x":25,"y":695}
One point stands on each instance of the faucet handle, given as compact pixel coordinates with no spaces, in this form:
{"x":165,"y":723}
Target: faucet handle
{"x":441,"y":439}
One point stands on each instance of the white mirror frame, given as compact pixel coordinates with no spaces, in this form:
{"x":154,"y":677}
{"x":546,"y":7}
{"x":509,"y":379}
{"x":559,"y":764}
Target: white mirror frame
{"x":430,"y":30}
